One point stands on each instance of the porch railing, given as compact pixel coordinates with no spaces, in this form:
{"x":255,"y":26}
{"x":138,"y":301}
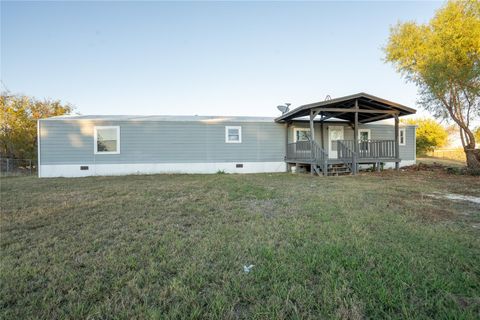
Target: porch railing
{"x":347,"y":155}
{"x":372,"y":149}
{"x":300,"y":151}
{"x":320,"y":156}
{"x":307,"y":152}
{"x":311,"y":152}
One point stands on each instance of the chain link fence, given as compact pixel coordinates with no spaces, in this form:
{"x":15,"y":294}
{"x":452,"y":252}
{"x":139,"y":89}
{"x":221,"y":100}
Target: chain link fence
{"x":17,"y":167}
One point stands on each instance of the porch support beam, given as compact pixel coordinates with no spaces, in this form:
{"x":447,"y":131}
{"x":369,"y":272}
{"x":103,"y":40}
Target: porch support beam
{"x":329,"y":115}
{"x":397,"y":143}
{"x":379,"y":117}
{"x":345,"y":110}
{"x":313,"y":114}
{"x":355,"y":138}
{"x":322,"y":131}
{"x":287,"y":124}
{"x":312,"y":128}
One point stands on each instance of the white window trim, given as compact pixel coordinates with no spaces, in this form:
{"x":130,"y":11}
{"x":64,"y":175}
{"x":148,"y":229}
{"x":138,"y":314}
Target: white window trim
{"x":366,"y":146}
{"x":295,"y":130}
{"x":367,"y":131}
{"x":404,"y":136}
{"x":95,"y":144}
{"x":239,"y":134}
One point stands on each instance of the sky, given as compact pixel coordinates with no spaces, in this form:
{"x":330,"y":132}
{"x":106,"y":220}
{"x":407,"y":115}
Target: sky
{"x":201,"y":58}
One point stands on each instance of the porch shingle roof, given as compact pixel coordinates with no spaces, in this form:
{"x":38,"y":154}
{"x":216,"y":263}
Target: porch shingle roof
{"x":367,"y":105}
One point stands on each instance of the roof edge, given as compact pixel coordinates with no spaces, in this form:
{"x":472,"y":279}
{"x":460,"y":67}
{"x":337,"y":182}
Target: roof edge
{"x":345,"y":98}
{"x":159,"y":118}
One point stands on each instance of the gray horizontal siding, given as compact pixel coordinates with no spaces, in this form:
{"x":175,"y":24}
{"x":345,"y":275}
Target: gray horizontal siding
{"x":72,"y":142}
{"x":377,"y":132}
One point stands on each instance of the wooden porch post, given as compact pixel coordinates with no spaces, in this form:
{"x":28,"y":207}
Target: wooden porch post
{"x":397,"y":144}
{"x":321,"y":129}
{"x":312,"y":138}
{"x":325,"y":158}
{"x":355,"y":138}
{"x":312,"y":129}
{"x":287,"y":124}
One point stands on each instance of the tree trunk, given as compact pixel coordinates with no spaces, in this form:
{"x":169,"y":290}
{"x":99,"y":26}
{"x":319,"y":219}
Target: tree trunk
{"x":473,"y":158}
{"x":472,"y":154}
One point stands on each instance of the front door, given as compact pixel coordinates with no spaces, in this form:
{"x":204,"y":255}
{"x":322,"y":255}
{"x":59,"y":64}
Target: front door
{"x":334,"y":133}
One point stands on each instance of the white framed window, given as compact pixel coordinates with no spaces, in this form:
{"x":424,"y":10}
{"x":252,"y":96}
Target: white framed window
{"x":233,"y":134}
{"x":363,"y":137}
{"x":364,"y":134}
{"x":301,"y":134}
{"x":107,"y":140}
{"x":402,"y":137}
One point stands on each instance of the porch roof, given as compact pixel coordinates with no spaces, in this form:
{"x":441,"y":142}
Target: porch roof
{"x":370,"y":108}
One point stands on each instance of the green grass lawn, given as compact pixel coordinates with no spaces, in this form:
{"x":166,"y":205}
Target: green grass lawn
{"x":174,"y":246}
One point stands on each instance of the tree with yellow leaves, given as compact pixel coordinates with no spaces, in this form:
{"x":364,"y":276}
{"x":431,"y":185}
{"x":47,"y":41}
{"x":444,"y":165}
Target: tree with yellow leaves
{"x":18,"y":123}
{"x":443,"y":59}
{"x":429,"y":134}
{"x":477,"y":134}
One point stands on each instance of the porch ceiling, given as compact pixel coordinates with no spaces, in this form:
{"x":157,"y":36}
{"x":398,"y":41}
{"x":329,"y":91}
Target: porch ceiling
{"x":370,"y":109}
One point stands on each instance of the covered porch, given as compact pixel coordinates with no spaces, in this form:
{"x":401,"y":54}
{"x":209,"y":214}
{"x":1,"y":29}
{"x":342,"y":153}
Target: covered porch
{"x":329,"y":134}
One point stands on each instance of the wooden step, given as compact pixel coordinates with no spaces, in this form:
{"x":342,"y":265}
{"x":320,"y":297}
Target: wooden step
{"x":338,"y":169}
{"x":339,"y":173}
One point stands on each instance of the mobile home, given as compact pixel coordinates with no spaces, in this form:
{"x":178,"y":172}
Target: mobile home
{"x":326,"y":137}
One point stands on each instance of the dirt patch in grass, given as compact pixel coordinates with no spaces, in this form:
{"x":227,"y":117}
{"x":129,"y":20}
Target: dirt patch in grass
{"x":455,"y":197}
{"x":431,"y":210}
{"x":435,"y":166}
{"x":443,"y":167}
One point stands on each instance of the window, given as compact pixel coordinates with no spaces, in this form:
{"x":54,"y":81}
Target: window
{"x":363,"y":137}
{"x":301,"y":134}
{"x":363,"y":134}
{"x":402,"y":138}
{"x":107,"y":140}
{"x":233,"y":134}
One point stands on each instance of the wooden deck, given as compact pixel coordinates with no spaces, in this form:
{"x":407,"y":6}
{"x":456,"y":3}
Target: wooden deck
{"x":369,"y":152}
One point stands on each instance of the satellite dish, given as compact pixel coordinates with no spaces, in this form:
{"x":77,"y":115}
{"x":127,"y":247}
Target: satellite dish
{"x":284,"y":108}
